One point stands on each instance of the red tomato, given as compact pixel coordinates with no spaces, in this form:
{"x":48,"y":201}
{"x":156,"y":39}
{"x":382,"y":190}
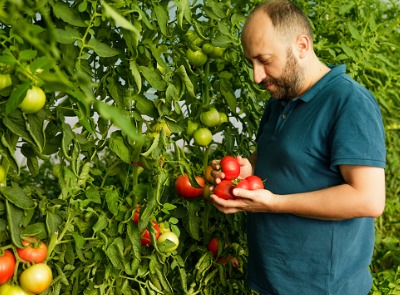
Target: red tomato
{"x":136,"y":214}
{"x":254,"y":182}
{"x":230,"y":167}
{"x":36,"y":278}
{"x":213,"y":246}
{"x":242,"y":183}
{"x":7,"y":265}
{"x":34,"y":251}
{"x":145,"y":238}
{"x":185,"y":189}
{"x":224,"y":190}
{"x":229,"y":259}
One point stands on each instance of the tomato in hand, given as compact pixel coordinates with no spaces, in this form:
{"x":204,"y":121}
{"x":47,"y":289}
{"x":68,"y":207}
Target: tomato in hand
{"x":167,"y":247}
{"x":230,"y":167}
{"x":242,"y":183}
{"x":33,"y":101}
{"x":33,"y":251}
{"x":185,"y":189}
{"x":145,"y":236}
{"x":36,"y":278}
{"x":254,"y":182}
{"x":7,"y":266}
{"x":223,"y":190}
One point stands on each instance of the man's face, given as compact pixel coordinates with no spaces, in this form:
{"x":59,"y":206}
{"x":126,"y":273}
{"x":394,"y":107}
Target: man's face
{"x":274,"y":63}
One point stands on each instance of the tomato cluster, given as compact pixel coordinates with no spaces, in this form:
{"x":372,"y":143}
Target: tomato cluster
{"x":231,"y":168}
{"x":35,"y":278}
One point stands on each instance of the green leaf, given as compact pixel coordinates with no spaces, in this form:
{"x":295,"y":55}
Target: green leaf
{"x":119,"y":20}
{"x":115,"y":252}
{"x":112,"y":201}
{"x":145,"y":106}
{"x":53,"y":221}
{"x":67,"y":36}
{"x":194,"y":222}
{"x":354,"y":32}
{"x":14,"y":218}
{"x":102,"y":49}
{"x":117,"y":145}
{"x":64,"y":12}
{"x":153,"y":77}
{"x":17,"y":197}
{"x":27,"y":54}
{"x":184,"y":12}
{"x":136,"y":75}
{"x":162,"y":18}
{"x":186,"y":80}
{"x":16,"y":97}
{"x":347,"y":50}
{"x":101,"y":223}
{"x":227,"y":91}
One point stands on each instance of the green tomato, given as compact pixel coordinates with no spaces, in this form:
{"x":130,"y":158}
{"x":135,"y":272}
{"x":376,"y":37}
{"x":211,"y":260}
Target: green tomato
{"x":193,"y":38}
{"x":196,"y":58}
{"x":191,"y":128}
{"x":223,"y":118}
{"x":208,"y":49}
{"x":171,"y":245}
{"x":202,"y":136}
{"x":8,"y":289}
{"x":36,"y":278}
{"x":33,"y":101}
{"x":211,"y":118}
{"x":5,"y":81}
{"x":217,"y":52}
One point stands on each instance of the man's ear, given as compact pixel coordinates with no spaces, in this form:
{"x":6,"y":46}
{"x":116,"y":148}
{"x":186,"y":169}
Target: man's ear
{"x":303,"y":45}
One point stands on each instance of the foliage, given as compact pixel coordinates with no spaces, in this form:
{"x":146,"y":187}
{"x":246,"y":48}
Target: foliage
{"x":113,"y":73}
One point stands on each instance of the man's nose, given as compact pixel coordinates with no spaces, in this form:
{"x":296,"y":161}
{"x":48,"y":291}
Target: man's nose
{"x":258,"y":73}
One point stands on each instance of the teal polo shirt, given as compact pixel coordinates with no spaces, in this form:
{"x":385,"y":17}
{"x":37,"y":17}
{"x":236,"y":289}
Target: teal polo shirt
{"x":299,"y":147}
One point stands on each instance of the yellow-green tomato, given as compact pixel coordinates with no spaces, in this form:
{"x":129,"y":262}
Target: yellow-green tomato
{"x":191,"y":128}
{"x":196,"y":58}
{"x":5,"y":81}
{"x":210,"y":118}
{"x":223,"y":118}
{"x":202,"y":136}
{"x":161,"y":125}
{"x":8,"y":289}
{"x":36,"y":278}
{"x":33,"y":101}
{"x":2,"y":174}
{"x":168,"y":242}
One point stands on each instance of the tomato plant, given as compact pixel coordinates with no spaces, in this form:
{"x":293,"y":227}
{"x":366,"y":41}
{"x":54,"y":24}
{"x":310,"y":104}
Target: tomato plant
{"x":196,"y":58}
{"x":7,"y":266}
{"x":33,"y":251}
{"x":168,"y":242}
{"x":202,"y":136}
{"x":224,"y":190}
{"x":33,"y":101}
{"x":36,"y":278}
{"x":5,"y":81}
{"x":210,"y":118}
{"x":186,"y":190}
{"x":230,"y":167}
{"x":254,"y":182}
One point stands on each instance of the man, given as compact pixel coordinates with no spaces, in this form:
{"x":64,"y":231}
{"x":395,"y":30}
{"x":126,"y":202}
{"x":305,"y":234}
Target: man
{"x":320,"y":151}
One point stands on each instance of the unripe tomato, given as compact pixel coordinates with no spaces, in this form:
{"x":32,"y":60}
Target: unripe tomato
{"x":217,"y":52}
{"x":33,"y":101}
{"x":223,"y":118}
{"x":161,"y":125}
{"x":36,"y":278}
{"x":208,"y":48}
{"x":7,"y":289}
{"x":202,"y":136}
{"x":2,"y":174}
{"x":193,"y":38}
{"x":210,"y":118}
{"x":230,"y":167}
{"x":191,"y":128}
{"x":7,"y":266}
{"x":170,"y":236}
{"x":5,"y":81}
{"x":185,"y":189}
{"x":33,"y":252}
{"x":196,"y":58}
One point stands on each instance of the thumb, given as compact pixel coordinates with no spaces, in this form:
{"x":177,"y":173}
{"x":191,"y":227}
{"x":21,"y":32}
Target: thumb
{"x":243,"y":193}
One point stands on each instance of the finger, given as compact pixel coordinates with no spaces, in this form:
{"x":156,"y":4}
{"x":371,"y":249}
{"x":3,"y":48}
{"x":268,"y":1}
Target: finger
{"x":244,"y":193}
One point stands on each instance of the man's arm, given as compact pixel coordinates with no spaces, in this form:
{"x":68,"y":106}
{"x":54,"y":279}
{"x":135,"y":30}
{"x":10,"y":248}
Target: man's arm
{"x":362,"y":195}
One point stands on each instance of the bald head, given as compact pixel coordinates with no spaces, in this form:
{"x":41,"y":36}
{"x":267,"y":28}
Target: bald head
{"x":287,"y":19}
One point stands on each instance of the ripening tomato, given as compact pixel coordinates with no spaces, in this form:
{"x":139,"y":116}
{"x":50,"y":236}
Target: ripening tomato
{"x":213,"y":246}
{"x":33,"y":251}
{"x":230,"y":167}
{"x":7,"y":266}
{"x":207,"y":174}
{"x":161,"y":125}
{"x":210,"y":118}
{"x":36,"y":278}
{"x":185,"y":189}
{"x":33,"y":101}
{"x":202,"y":136}
{"x":168,"y":236}
{"x":254,"y":182}
{"x":224,"y":190}
{"x":145,"y":236}
{"x":8,"y":289}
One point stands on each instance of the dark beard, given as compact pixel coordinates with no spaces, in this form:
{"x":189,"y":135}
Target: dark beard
{"x":289,"y":84}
